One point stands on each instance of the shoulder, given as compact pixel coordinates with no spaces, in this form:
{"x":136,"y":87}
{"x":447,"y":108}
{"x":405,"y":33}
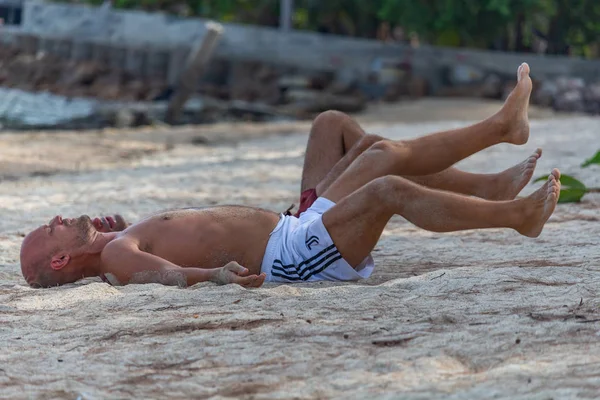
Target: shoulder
{"x":116,"y":257}
{"x":118,"y":249}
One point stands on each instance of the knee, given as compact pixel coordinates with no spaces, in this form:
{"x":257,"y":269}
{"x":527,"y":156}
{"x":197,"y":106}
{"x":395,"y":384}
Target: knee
{"x":330,"y":117}
{"x":379,"y":188}
{"x":369,"y":140}
{"x":389,"y":188}
{"x":396,"y":149}
{"x":382,"y":146}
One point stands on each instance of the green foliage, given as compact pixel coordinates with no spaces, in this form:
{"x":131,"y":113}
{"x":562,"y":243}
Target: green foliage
{"x":571,"y":191}
{"x":594,"y":160}
{"x":503,"y":24}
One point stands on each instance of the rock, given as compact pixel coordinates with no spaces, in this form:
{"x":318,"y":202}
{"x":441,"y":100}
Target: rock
{"x":294,"y":82}
{"x":123,"y":118}
{"x":545,"y":94}
{"x":417,"y":87}
{"x":29,"y":110}
{"x":508,"y":87}
{"x":492,"y":86}
{"x":84,"y":73}
{"x":565,"y":83}
{"x":344,"y":81}
{"x":464,"y":75}
{"x":251,"y":81}
{"x":570,"y":100}
{"x":592,"y":92}
{"x":313,"y":101}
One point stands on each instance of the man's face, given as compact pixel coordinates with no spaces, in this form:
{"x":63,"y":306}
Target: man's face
{"x":70,"y":231}
{"x":55,"y":243}
{"x":114,"y":223}
{"x":62,"y":233}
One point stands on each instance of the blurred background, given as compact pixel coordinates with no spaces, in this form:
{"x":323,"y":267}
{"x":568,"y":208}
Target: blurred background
{"x":92,"y":64}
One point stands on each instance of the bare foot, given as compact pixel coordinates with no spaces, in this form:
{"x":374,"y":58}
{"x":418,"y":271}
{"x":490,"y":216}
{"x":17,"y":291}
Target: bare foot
{"x":508,"y":184}
{"x":540,"y":206}
{"x":513,"y":115}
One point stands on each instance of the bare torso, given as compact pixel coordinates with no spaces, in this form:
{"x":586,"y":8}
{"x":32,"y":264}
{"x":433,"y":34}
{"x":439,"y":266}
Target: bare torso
{"x":205,"y":238}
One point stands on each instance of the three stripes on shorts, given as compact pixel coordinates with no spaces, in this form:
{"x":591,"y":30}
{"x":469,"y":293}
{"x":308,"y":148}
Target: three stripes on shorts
{"x":307,"y":268}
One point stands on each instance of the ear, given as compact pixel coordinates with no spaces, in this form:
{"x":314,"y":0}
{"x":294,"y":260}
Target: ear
{"x":59,"y":261}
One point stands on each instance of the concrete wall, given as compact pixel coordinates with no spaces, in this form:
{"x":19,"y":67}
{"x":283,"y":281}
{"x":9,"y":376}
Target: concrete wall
{"x":301,"y":49}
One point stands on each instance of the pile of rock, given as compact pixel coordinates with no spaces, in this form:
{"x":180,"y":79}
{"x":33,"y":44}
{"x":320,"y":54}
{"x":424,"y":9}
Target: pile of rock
{"x":569,"y":94}
{"x":235,"y":90}
{"x":44,"y":72}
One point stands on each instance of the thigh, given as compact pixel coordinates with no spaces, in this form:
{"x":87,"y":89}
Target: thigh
{"x":356,"y":222}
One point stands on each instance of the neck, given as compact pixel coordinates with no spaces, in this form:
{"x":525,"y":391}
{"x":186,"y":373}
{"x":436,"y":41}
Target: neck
{"x":92,"y":255}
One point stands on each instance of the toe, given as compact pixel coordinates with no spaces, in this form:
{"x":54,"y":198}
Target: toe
{"x":523,"y":71}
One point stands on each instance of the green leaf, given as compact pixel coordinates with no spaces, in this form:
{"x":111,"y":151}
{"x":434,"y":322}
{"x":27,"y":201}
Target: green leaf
{"x":571,"y":195}
{"x":594,"y":160}
{"x":572,"y":190}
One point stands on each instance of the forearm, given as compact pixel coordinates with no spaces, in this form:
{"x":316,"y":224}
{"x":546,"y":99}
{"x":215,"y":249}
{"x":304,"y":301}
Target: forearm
{"x":197,"y":275}
{"x":181,"y":277}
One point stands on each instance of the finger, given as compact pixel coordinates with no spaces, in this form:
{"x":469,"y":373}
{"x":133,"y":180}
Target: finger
{"x":260,"y":280}
{"x":257,"y":280}
{"x":245,"y":281}
{"x":237,"y":268}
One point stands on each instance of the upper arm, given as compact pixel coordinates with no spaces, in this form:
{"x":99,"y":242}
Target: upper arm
{"x":129,"y":264}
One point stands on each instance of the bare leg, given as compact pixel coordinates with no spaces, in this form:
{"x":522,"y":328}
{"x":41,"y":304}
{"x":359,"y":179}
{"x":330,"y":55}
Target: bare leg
{"x":336,"y":140}
{"x":332,"y":136}
{"x":434,"y":153}
{"x":505,"y":185}
{"x":357,"y":221}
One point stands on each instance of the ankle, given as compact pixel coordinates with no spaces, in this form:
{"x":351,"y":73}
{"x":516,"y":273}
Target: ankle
{"x":489,"y":187}
{"x":500,"y":124}
{"x":523,"y":212}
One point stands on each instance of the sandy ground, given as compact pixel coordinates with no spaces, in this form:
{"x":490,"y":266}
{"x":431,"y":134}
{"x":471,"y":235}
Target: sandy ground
{"x":478,"y":314}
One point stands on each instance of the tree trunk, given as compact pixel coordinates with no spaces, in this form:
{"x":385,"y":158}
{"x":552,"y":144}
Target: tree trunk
{"x":557,"y":31}
{"x":519,"y":45}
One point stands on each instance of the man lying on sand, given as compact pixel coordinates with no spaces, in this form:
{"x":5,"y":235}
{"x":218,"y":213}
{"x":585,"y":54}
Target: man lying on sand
{"x":352,"y":185}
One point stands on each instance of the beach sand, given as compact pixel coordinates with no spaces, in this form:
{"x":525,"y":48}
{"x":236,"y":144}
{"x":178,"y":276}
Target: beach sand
{"x":477,"y":314}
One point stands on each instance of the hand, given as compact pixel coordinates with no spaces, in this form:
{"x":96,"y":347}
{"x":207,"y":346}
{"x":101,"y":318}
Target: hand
{"x":235,"y":273}
{"x":115,"y":223}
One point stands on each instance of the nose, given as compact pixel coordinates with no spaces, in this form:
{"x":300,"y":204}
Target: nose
{"x":57,"y":220}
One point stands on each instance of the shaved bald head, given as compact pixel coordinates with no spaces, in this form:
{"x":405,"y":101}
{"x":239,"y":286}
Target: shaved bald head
{"x":46,"y":252}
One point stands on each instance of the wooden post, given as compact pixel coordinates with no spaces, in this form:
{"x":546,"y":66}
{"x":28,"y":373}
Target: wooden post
{"x":285,"y":15}
{"x":195,"y":65}
{"x":177,"y":59}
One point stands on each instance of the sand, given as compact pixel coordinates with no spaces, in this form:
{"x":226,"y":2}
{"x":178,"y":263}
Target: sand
{"x":478,"y":314}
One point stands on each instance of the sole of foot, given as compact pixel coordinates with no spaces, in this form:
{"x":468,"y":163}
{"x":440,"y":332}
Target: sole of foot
{"x":540,"y":206}
{"x":510,"y":182}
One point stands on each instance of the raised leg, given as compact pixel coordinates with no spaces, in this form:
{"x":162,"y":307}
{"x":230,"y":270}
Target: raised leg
{"x":333,"y":135}
{"x":336,"y":140}
{"x":505,"y":185}
{"x":434,"y":153}
{"x":357,"y":221}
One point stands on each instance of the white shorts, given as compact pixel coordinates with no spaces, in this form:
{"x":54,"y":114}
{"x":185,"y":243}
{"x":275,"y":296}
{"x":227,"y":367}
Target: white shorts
{"x":301,"y":250}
